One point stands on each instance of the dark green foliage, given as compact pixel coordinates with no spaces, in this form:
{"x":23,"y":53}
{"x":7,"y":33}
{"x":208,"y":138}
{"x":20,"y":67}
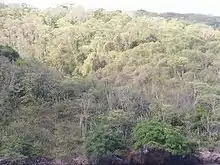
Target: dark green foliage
{"x":176,"y":119}
{"x":149,"y":133}
{"x":17,"y":147}
{"x":160,"y":135}
{"x":176,"y":142}
{"x":9,"y":53}
{"x":119,"y":121}
{"x":102,"y":141}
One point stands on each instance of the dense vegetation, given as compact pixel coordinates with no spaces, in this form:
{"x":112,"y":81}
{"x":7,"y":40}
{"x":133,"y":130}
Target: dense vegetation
{"x":164,"y":136}
{"x":75,"y":71}
{"x":213,"y":21}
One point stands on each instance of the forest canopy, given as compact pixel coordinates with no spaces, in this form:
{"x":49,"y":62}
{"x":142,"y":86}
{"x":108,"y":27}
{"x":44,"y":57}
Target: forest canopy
{"x":74,"y":70}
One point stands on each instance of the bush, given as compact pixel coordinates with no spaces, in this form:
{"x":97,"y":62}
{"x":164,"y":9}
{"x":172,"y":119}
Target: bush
{"x":18,"y":147}
{"x":161,"y":135}
{"x":9,"y":53}
{"x":102,"y":141}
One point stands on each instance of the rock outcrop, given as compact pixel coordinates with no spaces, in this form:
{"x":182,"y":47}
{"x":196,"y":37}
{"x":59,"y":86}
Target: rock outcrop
{"x":160,"y":157}
{"x":145,"y":157}
{"x":209,"y":157}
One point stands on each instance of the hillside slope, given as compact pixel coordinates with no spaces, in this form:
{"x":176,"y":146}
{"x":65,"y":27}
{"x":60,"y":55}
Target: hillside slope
{"x":77,"y":71}
{"x":210,"y":20}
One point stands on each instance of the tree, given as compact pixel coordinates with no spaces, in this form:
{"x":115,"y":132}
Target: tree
{"x":161,"y":135}
{"x":102,"y":141}
{"x":82,"y":69}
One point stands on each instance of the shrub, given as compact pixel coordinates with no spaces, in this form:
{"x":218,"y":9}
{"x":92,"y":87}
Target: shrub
{"x":18,"y":147}
{"x":161,"y":135}
{"x":102,"y":141}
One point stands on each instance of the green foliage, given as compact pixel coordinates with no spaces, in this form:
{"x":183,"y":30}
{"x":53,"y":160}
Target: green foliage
{"x":176,"y":143}
{"x":148,"y":133}
{"x":78,"y":70}
{"x":9,"y":53}
{"x":199,"y":118}
{"x":103,"y":140}
{"x":18,"y":147}
{"x":119,"y":121}
{"x":160,"y":135}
